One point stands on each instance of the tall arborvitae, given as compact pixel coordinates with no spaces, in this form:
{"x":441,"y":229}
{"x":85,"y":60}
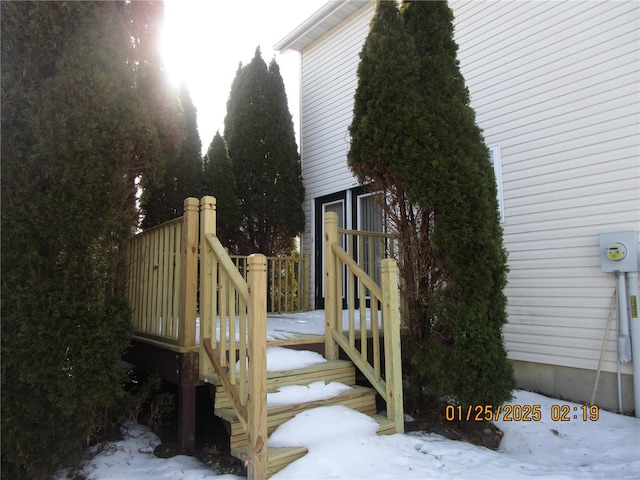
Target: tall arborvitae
{"x":163,"y":199}
{"x":220,"y":182}
{"x":262,"y":147}
{"x":153,"y":86}
{"x":431,"y":160}
{"x":386,"y":121}
{"x":460,"y":191}
{"x":76,"y":134}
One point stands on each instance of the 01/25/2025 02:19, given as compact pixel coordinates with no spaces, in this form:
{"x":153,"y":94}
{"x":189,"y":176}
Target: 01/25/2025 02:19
{"x":521,"y":413}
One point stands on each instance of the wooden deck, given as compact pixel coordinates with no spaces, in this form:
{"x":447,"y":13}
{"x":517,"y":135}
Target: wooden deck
{"x":172,"y":263}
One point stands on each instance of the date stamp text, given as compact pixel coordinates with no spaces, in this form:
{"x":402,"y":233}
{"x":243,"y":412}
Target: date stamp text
{"x":522,"y":413}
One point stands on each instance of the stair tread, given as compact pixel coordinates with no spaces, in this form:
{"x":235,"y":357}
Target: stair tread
{"x":342,"y":371}
{"x":280,"y":457}
{"x":357,"y":391}
{"x":387,"y":425}
{"x":274,"y":453}
{"x":319,"y":367}
{"x":277,"y":457}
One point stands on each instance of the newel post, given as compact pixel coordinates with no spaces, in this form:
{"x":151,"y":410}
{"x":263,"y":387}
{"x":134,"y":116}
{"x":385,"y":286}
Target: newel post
{"x":207,"y":282}
{"x":392,"y":354}
{"x":257,"y":352}
{"x":189,"y":280}
{"x":331,"y":288}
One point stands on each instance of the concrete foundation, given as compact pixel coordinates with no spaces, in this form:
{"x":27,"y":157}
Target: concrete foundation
{"x":575,"y":384}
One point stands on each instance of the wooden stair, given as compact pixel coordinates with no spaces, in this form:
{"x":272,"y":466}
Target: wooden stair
{"x":359,"y":398}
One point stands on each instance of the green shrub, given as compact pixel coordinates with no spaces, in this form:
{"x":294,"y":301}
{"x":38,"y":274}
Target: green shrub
{"x":415,"y":139}
{"x":75,"y":137}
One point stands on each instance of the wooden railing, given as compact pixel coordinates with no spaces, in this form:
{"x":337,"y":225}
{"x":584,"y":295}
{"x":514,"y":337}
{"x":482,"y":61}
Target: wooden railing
{"x":368,"y":248}
{"x":384,"y":318}
{"x":233,"y":333}
{"x":162,"y":280}
{"x":287,"y":282}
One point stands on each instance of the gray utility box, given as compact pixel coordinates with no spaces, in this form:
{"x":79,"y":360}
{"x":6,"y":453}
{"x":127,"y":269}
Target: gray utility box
{"x":619,"y":252}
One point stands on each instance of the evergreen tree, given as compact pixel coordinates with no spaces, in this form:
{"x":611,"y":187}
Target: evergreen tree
{"x":386,"y":122}
{"x":414,"y":137}
{"x":266,"y":164}
{"x":163,"y":199}
{"x":76,"y":133}
{"x":152,"y":84}
{"x":460,"y":191}
{"x":220,"y":182}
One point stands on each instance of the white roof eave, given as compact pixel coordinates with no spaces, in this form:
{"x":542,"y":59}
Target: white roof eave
{"x":327,"y":17}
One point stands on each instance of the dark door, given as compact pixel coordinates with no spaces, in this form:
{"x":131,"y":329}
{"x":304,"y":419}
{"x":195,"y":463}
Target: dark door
{"x":330,"y":203}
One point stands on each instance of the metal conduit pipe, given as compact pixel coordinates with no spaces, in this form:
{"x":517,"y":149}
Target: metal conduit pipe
{"x":635,"y":337}
{"x":620,"y":254}
{"x":624,"y":338}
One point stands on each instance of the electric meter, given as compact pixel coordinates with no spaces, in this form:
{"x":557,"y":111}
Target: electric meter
{"x":619,"y":251}
{"x":616,"y":251}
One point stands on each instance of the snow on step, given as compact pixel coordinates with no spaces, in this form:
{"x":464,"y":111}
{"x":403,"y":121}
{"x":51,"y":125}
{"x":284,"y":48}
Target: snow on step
{"x":293,"y":394}
{"x":281,"y":359}
{"x":323,"y":425}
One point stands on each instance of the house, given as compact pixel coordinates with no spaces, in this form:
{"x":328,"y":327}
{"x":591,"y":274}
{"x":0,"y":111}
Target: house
{"x":555,"y":87}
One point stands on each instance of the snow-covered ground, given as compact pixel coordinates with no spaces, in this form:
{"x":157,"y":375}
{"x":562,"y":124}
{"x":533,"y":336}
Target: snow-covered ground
{"x":343,"y":444}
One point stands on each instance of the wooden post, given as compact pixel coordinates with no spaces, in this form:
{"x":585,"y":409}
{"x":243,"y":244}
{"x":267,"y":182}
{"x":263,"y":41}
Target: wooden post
{"x":187,"y":418}
{"x":257,"y":399}
{"x":306,"y":300}
{"x":392,"y":355}
{"x":207,"y":283}
{"x":332,"y":302}
{"x":189,"y":280}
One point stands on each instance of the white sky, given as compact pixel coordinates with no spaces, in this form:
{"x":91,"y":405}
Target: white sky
{"x":205,"y":40}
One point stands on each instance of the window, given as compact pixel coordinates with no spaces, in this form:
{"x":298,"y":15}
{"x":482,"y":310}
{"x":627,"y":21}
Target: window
{"x":496,"y":162}
{"x":371,"y":251}
{"x":337,"y":208}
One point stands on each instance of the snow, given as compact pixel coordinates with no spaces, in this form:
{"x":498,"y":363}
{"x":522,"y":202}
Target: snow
{"x":133,"y":459}
{"x":288,"y":326}
{"x":280,"y":359}
{"x":301,"y":394}
{"x":343,"y":443}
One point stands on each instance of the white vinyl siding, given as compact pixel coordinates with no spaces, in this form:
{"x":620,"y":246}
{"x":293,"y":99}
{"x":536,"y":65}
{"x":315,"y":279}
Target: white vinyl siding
{"x":556,"y":84}
{"x":329,"y":80}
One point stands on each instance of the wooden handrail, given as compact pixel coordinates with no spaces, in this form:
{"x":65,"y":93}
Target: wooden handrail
{"x":230,"y":268}
{"x":357,"y":271}
{"x":383,"y":235}
{"x":225,"y":295}
{"x":382,"y":299}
